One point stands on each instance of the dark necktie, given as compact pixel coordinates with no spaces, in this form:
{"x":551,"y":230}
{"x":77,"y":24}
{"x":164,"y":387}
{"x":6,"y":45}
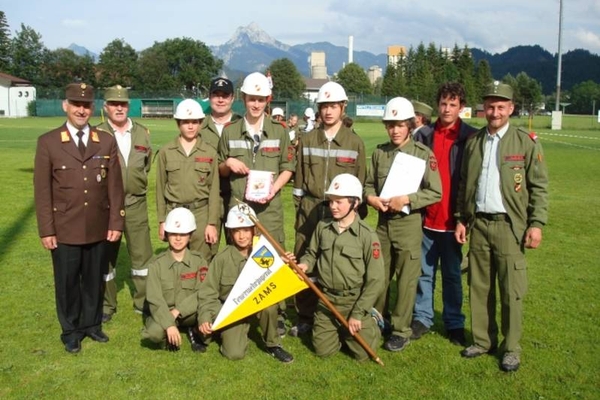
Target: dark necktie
{"x":81,"y":146}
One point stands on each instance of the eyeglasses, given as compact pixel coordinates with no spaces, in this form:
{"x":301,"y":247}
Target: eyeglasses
{"x":256,"y":143}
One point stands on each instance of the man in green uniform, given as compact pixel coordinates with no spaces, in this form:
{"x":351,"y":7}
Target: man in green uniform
{"x":135,"y":158}
{"x":221,"y":99}
{"x":323,"y":153}
{"x":399,"y":223}
{"x":187,"y":176}
{"x":346,"y":253}
{"x":222,"y":275}
{"x":173,"y":282}
{"x":503,"y":203}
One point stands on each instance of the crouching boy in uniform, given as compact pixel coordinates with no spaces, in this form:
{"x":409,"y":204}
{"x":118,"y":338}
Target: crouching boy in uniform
{"x":222,"y":274}
{"x":174,"y":278}
{"x":346,"y":254}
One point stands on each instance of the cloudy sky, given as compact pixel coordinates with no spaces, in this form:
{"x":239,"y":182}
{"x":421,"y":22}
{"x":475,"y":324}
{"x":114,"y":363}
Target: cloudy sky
{"x":494,"y":26}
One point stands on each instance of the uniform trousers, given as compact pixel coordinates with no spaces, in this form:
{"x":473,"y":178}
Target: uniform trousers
{"x":154,"y":332}
{"x":400,"y":239}
{"x":78,"y":285}
{"x":139,"y":247}
{"x":495,"y":254}
{"x":234,"y":338}
{"x":328,"y":332}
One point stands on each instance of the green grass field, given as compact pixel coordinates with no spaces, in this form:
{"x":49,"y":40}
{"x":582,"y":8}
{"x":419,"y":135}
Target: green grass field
{"x":561,"y":350}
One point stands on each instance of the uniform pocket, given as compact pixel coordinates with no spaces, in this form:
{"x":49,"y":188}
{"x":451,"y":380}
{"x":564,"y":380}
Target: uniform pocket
{"x":520,"y":279}
{"x":203,"y":172}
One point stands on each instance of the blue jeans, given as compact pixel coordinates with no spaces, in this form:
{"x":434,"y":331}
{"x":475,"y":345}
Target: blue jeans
{"x":440,"y":247}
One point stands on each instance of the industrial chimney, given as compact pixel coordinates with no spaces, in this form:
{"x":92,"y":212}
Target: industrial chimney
{"x":350,"y":48}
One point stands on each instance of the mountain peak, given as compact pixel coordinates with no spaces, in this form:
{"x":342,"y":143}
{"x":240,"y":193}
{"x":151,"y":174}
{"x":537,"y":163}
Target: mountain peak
{"x":253,"y":33}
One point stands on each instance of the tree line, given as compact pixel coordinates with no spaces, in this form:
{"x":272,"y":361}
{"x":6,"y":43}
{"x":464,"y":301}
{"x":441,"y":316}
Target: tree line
{"x":185,"y":66}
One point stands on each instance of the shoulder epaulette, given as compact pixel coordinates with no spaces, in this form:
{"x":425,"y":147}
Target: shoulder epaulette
{"x":532,"y":135}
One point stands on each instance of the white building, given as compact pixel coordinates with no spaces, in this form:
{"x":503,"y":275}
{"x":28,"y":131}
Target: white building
{"x":15,"y":95}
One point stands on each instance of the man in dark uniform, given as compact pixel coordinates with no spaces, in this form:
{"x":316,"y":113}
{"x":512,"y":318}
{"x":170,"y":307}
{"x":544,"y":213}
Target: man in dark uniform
{"x":135,"y":157}
{"x":503,"y":203}
{"x":79,"y":206}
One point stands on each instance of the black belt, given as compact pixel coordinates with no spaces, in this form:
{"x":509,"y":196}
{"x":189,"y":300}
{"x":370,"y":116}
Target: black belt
{"x":190,"y":206}
{"x":347,"y":292}
{"x":492,"y":217}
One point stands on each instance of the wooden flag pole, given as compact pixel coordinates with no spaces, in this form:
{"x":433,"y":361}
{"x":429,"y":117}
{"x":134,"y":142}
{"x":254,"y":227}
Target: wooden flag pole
{"x":310,"y":284}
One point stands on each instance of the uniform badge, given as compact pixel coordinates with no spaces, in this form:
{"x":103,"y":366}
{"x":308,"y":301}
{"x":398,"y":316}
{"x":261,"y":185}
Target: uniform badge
{"x":517,"y":187}
{"x":98,"y":178}
{"x":65,"y":137}
{"x":539,"y":157}
{"x":433,"y":163}
{"x":518,"y":178}
{"x":202,"y":271}
{"x":95,"y":137}
{"x":376,"y":251}
{"x":122,"y":213}
{"x":103,"y":173}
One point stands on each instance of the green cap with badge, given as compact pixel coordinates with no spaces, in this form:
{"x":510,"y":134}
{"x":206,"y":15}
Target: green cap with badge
{"x":116,"y":93}
{"x":422,"y":108}
{"x":498,"y":89}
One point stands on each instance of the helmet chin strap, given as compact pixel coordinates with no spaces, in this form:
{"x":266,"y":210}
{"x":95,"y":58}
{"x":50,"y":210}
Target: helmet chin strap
{"x":352,"y":207}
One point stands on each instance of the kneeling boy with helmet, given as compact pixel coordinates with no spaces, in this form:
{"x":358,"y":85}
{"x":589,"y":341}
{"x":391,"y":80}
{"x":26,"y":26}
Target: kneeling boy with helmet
{"x":222,"y":275}
{"x":346,"y":254}
{"x":174,"y":278}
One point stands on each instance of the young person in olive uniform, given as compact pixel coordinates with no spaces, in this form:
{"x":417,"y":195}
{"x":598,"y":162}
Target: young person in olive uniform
{"x":346,"y":253}
{"x":323,"y":153}
{"x":173,"y":282}
{"x":135,"y":157}
{"x":257,"y":143}
{"x":79,"y":207}
{"x":400,"y":233}
{"x":221,"y":99}
{"x":187,"y":176}
{"x":222,"y":275}
{"x":503,"y":204}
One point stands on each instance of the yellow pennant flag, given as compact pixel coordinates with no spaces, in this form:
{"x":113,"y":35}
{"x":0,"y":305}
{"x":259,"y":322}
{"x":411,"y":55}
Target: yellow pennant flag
{"x":265,"y":280}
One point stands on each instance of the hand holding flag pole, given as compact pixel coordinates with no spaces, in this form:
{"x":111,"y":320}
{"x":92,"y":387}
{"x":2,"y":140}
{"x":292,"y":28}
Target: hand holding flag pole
{"x":244,"y":208}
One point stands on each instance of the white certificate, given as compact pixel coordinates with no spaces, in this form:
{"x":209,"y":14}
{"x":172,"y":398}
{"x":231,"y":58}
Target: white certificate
{"x":258,"y":185}
{"x":404,"y":178}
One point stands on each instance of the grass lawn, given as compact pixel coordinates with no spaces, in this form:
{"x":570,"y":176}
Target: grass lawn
{"x":561,"y":350}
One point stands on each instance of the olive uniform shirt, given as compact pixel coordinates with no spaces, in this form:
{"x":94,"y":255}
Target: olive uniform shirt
{"x":319,"y":160}
{"x":274,"y":154}
{"x":348,"y":262}
{"x":173,"y":284}
{"x":523,"y":180}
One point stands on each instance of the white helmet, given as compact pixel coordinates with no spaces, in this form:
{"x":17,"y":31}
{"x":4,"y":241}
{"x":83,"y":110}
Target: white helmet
{"x":238,"y":217}
{"x":331,"y":92}
{"x":256,"y":84}
{"x":309,"y":113}
{"x":398,"y":109}
{"x":189,"y":109}
{"x":345,"y":185}
{"x":277,"y":111}
{"x":180,"y":220}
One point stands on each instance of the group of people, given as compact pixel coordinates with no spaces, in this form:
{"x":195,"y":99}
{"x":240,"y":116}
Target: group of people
{"x":91,"y":183}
